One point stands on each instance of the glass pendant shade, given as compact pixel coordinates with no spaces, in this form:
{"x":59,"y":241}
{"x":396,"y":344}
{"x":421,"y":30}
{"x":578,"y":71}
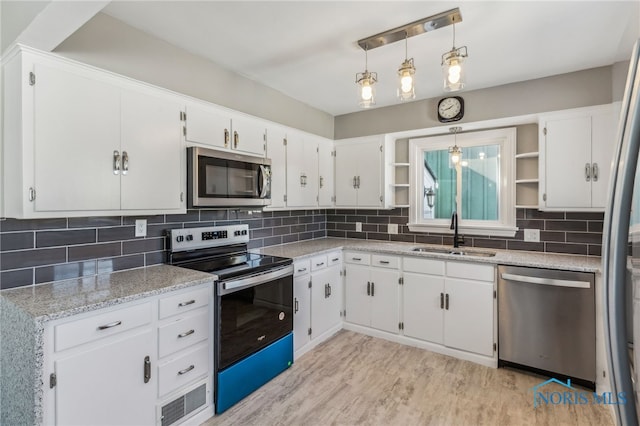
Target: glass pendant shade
{"x":406,"y":81}
{"x":453,"y":69}
{"x":366,"y":88}
{"x":456,"y":154}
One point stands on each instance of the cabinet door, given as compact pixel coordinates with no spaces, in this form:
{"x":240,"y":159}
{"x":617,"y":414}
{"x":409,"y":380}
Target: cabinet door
{"x":468,"y":323}
{"x":369,"y":163}
{"x":302,"y":311}
{"x":423,"y":316}
{"x":603,"y":139}
{"x":385,"y":299}
{"x":357,"y":301}
{"x":76,"y":131}
{"x":567,"y":157}
{"x":151,"y":138}
{"x":105,"y":385}
{"x":276,"y":151}
{"x":325,"y":300}
{"x":346,"y":163}
{"x":207,"y":126}
{"x":248,"y":135}
{"x":302,"y":171}
{"x":325,"y":171}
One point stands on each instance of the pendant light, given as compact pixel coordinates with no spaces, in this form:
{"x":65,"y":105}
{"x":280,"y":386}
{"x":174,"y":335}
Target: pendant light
{"x":452,"y":65}
{"x":366,"y":81}
{"x":406,"y":74}
{"x":454,"y":151}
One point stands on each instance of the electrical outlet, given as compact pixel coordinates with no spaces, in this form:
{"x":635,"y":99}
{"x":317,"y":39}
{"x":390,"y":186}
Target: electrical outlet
{"x":392,"y":228}
{"x":141,"y":227}
{"x":358,"y":226}
{"x":532,"y":235}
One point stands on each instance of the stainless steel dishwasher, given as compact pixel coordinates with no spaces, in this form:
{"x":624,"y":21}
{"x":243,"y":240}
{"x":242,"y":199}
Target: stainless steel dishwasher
{"x":546,"y":322}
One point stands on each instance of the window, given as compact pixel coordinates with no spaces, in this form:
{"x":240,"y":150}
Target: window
{"x":480,"y":187}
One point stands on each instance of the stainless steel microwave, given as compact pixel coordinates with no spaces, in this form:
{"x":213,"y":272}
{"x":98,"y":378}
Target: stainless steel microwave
{"x":227,"y":179}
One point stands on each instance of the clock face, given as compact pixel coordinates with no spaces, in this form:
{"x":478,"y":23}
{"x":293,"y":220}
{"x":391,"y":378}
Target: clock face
{"x":450,"y":109}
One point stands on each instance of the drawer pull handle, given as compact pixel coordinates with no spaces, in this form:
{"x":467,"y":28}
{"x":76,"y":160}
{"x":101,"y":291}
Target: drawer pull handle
{"x":190,"y":302}
{"x":384,"y":262}
{"x":147,"y":369}
{"x":335,"y":260}
{"x":329,"y":287}
{"x":186,"y":370}
{"x":295,"y":304}
{"x":110,"y":325}
{"x":373,"y":288}
{"x":357,"y":258}
{"x":302,"y":269}
{"x":186,"y":333}
{"x":368,"y":288}
{"x":320,"y":264}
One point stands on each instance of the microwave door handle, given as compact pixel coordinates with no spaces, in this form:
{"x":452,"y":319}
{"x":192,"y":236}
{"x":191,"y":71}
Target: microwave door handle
{"x":263,"y":182}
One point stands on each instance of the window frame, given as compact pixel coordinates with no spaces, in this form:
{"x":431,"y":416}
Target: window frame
{"x":505,"y":226}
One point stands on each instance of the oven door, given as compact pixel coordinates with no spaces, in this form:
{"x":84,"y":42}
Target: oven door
{"x":228,"y":179}
{"x":253,"y":312}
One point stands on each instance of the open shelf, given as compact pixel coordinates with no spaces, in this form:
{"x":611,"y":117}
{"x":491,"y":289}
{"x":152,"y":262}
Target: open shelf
{"x":528,"y":155}
{"x":527,"y":181}
{"x":400,"y":164}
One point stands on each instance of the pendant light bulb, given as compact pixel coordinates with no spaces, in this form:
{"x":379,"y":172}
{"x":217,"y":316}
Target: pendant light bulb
{"x":406,"y":72}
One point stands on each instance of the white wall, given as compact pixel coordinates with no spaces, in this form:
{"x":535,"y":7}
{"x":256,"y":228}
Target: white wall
{"x":108,"y":43}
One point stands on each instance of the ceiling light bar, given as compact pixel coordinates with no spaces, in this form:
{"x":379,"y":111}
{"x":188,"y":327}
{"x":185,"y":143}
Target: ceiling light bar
{"x":415,"y":28}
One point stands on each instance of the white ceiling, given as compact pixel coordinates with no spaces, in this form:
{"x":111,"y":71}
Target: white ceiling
{"x":308,"y":51}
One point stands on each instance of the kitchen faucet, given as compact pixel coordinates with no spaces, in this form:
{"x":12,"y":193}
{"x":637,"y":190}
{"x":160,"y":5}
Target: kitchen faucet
{"x":457,"y":239}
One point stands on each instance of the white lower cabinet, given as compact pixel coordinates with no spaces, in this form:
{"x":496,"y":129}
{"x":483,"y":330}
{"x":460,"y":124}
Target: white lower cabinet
{"x":126,"y":364}
{"x":372,"y":290}
{"x":317,"y":291}
{"x":450,"y":303}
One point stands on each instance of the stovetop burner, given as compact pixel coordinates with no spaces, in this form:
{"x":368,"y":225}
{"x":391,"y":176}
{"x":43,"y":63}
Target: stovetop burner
{"x":219,"y":250}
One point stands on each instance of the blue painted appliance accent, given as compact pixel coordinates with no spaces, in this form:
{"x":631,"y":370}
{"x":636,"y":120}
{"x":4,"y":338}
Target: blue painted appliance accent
{"x":244,"y":377}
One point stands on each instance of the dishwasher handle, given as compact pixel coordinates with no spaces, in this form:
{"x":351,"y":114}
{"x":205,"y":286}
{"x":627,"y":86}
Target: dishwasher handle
{"x":545,"y":281}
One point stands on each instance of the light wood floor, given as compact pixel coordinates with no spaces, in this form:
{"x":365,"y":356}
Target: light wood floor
{"x":354,"y":379}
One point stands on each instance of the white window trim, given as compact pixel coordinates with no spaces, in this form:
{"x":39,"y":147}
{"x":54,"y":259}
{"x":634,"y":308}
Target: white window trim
{"x":506,"y":226}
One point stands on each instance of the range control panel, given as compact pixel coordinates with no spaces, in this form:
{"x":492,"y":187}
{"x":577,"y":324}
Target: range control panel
{"x":209,"y":236}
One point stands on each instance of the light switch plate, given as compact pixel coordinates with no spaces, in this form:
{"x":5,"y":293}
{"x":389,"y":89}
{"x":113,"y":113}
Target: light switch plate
{"x":141,"y":227}
{"x":532,"y":235}
{"x":358,"y":226}
{"x":392,"y":228}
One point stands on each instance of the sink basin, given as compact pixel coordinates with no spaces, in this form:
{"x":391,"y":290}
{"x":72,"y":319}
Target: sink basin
{"x":455,"y":251}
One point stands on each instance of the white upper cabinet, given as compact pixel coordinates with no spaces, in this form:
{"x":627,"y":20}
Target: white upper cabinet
{"x":76,"y":133}
{"x":220,"y":128}
{"x":302,"y":170}
{"x":150,"y":145}
{"x":207,"y":125}
{"x":360,"y":172}
{"x":326,"y":169}
{"x":277,"y":153}
{"x":80,"y":141}
{"x":576,"y":149}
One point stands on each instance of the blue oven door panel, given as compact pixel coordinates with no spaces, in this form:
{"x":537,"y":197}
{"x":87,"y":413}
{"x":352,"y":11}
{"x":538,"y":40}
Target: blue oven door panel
{"x":244,"y":377}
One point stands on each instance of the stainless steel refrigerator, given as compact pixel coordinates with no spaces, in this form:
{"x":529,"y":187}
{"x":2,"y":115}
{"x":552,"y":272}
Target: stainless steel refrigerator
{"x":621,"y":254}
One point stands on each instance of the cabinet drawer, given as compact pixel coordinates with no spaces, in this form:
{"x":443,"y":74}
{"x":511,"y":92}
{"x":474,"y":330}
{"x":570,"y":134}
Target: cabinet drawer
{"x":301,"y":267}
{"x":471,"y":271}
{"x":183,"y":333}
{"x":318,"y":262}
{"x":384,"y":261}
{"x":102,"y":325}
{"x":182,"y":370}
{"x":424,"y":266}
{"x":355,"y":257}
{"x":184,"y":302}
{"x":334,"y":258}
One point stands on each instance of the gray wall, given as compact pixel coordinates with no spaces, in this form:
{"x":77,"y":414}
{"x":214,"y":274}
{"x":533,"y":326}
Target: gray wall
{"x":572,"y":90}
{"x":110,"y":44}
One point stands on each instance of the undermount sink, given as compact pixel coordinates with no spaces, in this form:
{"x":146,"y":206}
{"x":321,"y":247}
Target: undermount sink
{"x":454,"y":251}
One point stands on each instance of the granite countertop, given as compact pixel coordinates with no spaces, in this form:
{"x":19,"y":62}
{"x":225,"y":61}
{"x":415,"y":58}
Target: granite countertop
{"x":60,"y":299}
{"x":503,"y":257}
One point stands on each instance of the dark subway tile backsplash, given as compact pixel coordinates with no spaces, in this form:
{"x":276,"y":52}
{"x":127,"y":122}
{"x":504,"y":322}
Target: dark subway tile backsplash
{"x":42,"y":250}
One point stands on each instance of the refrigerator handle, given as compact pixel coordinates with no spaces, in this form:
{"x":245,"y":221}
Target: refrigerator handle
{"x":615,"y":243}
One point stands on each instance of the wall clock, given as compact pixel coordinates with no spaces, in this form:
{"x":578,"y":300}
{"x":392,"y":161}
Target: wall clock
{"x":450,"y":109}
